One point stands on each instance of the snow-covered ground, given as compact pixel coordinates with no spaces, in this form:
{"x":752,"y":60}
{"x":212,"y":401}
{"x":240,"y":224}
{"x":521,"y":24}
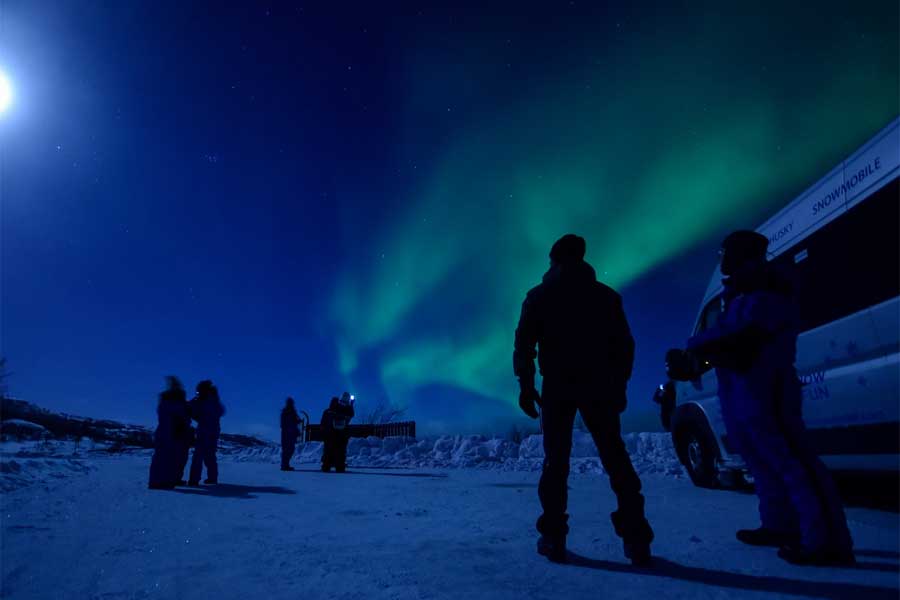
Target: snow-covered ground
{"x":388,"y":533}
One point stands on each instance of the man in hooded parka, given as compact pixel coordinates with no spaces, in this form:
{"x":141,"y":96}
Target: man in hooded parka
{"x":585,"y":352}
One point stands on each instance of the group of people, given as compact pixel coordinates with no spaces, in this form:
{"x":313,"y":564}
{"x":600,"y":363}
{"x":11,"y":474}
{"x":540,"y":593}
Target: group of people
{"x":335,"y":433}
{"x":576,"y":328}
{"x":174,"y":435}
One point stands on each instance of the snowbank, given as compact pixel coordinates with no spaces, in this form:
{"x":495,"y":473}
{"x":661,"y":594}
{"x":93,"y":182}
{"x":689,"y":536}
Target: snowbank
{"x":28,"y":462}
{"x":650,"y":453}
{"x":19,"y":472}
{"x":25,"y":463}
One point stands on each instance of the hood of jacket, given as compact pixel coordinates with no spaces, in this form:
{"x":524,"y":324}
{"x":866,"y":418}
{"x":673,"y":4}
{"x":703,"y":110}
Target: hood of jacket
{"x":575,"y":272}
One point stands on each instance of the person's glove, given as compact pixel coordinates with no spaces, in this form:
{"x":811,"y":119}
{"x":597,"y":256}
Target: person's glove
{"x":681,"y":365}
{"x":529,"y":399}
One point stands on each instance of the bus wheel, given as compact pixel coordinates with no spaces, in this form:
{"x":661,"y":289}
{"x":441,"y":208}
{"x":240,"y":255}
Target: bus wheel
{"x":697,"y":450}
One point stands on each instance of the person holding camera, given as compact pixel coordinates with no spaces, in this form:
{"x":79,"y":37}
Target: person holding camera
{"x":753,"y":350}
{"x":336,"y":433}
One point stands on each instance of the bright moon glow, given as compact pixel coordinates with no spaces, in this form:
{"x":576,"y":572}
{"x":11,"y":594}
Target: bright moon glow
{"x":6,"y":94}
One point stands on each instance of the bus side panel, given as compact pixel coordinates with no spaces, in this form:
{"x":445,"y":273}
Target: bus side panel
{"x":828,"y":360}
{"x":886,"y":319}
{"x":884,"y":381}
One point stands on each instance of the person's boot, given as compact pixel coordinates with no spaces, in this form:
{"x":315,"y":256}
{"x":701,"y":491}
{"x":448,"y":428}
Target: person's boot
{"x":210,"y":481}
{"x":326,"y":468}
{"x":636,"y":534}
{"x":340,"y":469}
{"x":824,"y":557}
{"x":638,"y":554}
{"x":766,"y":537}
{"x":554,"y":548}
{"x":287,"y":468}
{"x":193,"y":483}
{"x":161,"y":486}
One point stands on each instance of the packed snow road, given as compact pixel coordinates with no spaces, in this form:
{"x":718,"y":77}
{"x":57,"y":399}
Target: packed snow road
{"x":404,"y":534}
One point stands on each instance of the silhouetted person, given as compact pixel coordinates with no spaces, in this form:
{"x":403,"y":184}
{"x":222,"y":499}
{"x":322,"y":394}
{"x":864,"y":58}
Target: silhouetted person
{"x":206,"y":408}
{"x":289,"y":433}
{"x":585,"y":352}
{"x":335,"y":432}
{"x":753,"y":348}
{"x":171,"y":430}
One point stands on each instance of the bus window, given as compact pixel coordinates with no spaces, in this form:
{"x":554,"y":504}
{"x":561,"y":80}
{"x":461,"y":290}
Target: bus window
{"x":850,"y":264}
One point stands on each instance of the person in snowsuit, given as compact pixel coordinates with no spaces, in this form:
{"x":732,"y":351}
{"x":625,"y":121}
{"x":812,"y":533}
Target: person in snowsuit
{"x":335,"y":423}
{"x":753,"y":349}
{"x":171,"y":431}
{"x":206,"y":408}
{"x":289,"y":433}
{"x":585,"y":352}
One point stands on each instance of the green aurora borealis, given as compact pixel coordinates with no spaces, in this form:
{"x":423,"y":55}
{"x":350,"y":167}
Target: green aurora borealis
{"x":661,"y":134}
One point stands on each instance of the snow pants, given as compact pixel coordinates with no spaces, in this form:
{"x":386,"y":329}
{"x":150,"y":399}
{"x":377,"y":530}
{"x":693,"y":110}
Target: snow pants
{"x":796,"y":493}
{"x":205,"y":453}
{"x":288,"y":445}
{"x":561,"y":400}
{"x":334,"y":452}
{"x":184,"y":453}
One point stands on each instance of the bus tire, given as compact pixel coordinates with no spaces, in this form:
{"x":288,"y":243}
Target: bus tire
{"x":698,"y":452}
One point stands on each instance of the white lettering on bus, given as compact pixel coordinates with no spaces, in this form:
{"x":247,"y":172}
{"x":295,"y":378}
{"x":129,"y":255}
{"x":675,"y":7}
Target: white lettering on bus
{"x":841,"y":191}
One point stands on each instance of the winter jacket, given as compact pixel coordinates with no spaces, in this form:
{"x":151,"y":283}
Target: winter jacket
{"x":173,"y":420}
{"x":753,"y":347}
{"x":207,"y":410}
{"x":579,"y":327}
{"x":289,"y":421}
{"x":336,"y":419}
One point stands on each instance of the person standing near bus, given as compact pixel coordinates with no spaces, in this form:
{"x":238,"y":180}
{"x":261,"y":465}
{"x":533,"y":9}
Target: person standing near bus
{"x":753,"y":349}
{"x":585,"y":352}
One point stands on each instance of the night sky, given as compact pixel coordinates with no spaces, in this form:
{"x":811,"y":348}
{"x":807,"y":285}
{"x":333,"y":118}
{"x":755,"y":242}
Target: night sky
{"x":300,"y":198}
